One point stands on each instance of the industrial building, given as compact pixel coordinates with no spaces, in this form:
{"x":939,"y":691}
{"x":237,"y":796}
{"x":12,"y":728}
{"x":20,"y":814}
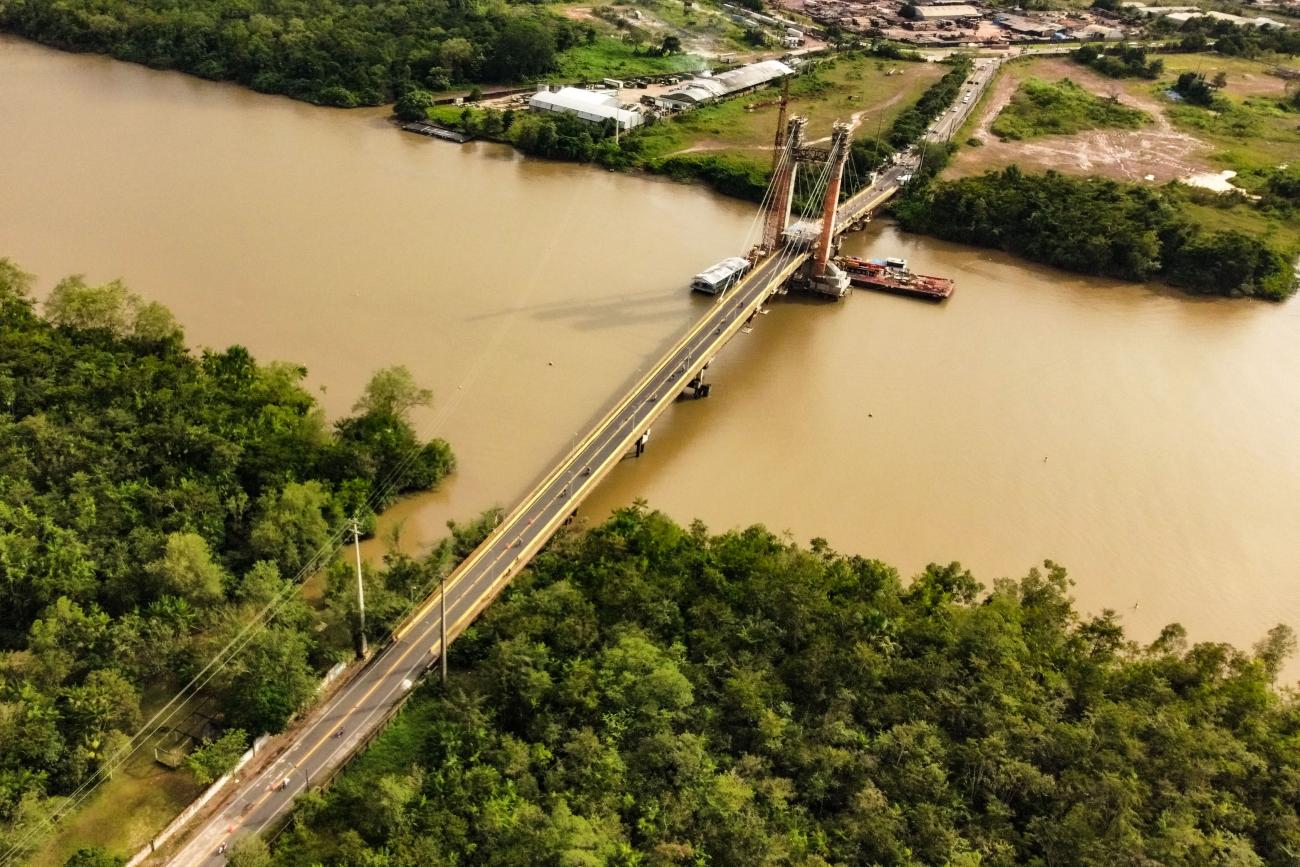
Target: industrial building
{"x":1034,"y":28}
{"x":948,"y":12}
{"x":698,"y":91}
{"x":592,"y":106}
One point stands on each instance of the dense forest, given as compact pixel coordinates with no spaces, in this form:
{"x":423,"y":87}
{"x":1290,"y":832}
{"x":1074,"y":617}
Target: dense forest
{"x":647,"y":694}
{"x":151,"y":500}
{"x":1098,"y":226}
{"x":332,"y":52}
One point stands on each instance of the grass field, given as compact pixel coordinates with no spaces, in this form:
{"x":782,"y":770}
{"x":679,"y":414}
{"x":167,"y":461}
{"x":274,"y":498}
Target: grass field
{"x":1041,"y":108}
{"x":1285,"y":234}
{"x":608,"y":57}
{"x":1248,"y":133}
{"x":1245,"y":77}
{"x":124,"y":813}
{"x":1248,"y":128}
{"x":874,"y":90}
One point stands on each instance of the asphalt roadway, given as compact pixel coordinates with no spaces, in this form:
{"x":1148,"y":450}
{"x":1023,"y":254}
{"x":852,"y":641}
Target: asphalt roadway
{"x":336,"y":728}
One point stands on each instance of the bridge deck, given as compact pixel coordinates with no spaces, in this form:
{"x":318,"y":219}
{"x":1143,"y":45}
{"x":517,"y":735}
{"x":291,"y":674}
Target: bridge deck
{"x":362,"y":706}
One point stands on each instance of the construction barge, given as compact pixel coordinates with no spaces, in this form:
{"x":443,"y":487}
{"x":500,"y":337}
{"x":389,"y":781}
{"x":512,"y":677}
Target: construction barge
{"x":892,"y":275}
{"x":435,"y":131}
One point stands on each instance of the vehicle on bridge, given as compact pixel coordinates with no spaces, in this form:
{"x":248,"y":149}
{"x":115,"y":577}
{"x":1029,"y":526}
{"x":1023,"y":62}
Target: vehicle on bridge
{"x":718,"y":278}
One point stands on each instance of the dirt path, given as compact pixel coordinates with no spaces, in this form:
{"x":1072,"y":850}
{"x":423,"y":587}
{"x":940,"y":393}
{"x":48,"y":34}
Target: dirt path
{"x":710,"y":145}
{"x":1159,"y":150}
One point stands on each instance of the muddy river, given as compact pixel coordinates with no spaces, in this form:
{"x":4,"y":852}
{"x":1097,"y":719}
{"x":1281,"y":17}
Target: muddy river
{"x":1144,"y":440}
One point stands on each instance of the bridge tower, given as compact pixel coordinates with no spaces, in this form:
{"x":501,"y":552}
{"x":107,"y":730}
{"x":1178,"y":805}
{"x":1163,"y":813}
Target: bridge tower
{"x":785,"y":162}
{"x":823,"y":276}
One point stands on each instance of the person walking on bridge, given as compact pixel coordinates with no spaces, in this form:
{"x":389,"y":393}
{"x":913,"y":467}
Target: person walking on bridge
{"x":641,"y":441}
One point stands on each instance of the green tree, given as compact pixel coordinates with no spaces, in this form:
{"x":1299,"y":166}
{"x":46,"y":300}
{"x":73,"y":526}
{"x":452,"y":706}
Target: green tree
{"x":459,"y":57}
{"x":155,"y":323}
{"x":187,"y":569}
{"x":392,"y":392}
{"x":290,"y":529}
{"x":414,"y":105}
{"x":273,"y":682}
{"x":93,"y":856}
{"x":75,"y":304}
{"x":249,"y":851}
{"x":523,"y":48}
{"x":215,"y":757}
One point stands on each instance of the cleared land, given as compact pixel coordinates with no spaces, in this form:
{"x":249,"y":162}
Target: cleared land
{"x":1159,"y":149}
{"x":870,"y":89}
{"x":1248,"y":130}
{"x":1042,"y":108}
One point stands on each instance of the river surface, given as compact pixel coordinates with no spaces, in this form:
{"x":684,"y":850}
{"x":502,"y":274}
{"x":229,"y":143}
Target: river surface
{"x":1146,"y":441}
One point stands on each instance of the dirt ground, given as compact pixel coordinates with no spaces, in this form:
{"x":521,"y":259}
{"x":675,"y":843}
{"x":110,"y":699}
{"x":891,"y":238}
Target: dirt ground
{"x":1158,"y":150}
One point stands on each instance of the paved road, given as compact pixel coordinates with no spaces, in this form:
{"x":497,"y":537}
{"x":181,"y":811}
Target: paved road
{"x":952,"y":119}
{"x":364,"y":704}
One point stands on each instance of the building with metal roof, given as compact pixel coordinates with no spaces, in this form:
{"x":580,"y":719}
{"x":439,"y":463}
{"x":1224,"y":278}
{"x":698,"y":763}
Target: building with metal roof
{"x":593,"y":106}
{"x":955,"y":11}
{"x":706,"y":89}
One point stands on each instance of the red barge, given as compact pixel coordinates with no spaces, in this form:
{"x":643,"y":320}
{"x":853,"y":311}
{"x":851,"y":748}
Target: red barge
{"x":892,"y":275}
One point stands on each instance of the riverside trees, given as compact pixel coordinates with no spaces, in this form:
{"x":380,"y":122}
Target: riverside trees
{"x":326,"y":51}
{"x":150,"y":502}
{"x":1098,"y":226}
{"x":647,"y":694}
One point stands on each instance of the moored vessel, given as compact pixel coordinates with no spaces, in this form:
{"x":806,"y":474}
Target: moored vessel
{"x":893,"y":275}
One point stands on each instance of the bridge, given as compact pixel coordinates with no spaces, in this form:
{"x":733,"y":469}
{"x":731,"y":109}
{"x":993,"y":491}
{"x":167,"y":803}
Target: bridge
{"x":338,"y":727}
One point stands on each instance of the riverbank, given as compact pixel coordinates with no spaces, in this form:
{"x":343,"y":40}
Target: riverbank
{"x":1224,"y":166}
{"x":1103,"y":227}
{"x":727,"y":145}
{"x":347,"y":55}
{"x":305,"y":233}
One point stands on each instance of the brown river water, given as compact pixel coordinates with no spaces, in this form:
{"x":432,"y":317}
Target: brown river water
{"x":1145,"y":440}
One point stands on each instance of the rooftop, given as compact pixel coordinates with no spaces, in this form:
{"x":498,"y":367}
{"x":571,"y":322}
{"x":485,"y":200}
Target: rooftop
{"x":952,"y":10}
{"x":587,"y":104}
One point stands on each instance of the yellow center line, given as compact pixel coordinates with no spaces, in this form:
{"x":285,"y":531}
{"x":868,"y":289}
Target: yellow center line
{"x":299,"y":763}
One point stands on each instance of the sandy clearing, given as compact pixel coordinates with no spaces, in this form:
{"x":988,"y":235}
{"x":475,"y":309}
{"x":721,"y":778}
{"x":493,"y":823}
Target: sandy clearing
{"x":1158,"y":150}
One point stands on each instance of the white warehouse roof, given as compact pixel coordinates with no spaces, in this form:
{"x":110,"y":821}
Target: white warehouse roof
{"x":589,"y":105}
{"x":704,"y":89}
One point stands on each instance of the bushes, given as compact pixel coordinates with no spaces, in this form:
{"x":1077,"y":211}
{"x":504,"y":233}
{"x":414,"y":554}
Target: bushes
{"x":1097,"y":226}
{"x":1041,"y":108}
{"x":909,"y":126}
{"x":1119,"y":61}
{"x":730,"y":175}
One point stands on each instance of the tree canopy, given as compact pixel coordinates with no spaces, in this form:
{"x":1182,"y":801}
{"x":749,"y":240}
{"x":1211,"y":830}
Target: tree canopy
{"x":151,"y":500}
{"x":647,"y":694}
{"x":332,"y":52}
{"x":1098,"y":226}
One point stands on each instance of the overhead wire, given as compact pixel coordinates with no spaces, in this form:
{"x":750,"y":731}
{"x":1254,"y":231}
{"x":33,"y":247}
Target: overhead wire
{"x":378,"y":493}
{"x":326,"y":551}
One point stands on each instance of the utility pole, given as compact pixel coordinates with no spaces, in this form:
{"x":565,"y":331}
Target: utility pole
{"x":442,"y":625}
{"x":361,"y":591}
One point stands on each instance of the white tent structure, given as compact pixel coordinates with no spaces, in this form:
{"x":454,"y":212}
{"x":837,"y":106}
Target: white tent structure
{"x":592,"y":106}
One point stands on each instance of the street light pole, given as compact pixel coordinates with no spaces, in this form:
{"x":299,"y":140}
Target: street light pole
{"x":361,"y":590}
